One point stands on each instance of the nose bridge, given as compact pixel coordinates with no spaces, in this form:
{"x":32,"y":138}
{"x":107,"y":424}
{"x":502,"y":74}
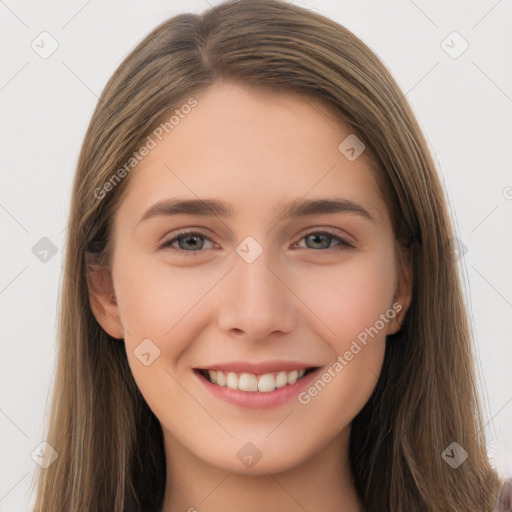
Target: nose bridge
{"x":256,"y":301}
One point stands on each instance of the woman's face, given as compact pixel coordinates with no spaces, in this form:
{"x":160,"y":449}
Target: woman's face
{"x":258,"y":296}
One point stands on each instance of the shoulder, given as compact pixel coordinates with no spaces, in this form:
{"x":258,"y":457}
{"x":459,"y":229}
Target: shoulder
{"x":504,"y":496}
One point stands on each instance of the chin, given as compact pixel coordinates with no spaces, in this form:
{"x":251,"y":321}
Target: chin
{"x":275,"y":463}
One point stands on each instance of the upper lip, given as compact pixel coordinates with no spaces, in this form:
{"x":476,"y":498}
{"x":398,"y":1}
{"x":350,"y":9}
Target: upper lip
{"x":258,"y":368}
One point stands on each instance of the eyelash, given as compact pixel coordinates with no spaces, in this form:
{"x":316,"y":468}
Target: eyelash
{"x":184,"y":234}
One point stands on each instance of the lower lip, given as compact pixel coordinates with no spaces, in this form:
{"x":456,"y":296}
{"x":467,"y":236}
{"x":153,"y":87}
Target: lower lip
{"x":258,"y":399}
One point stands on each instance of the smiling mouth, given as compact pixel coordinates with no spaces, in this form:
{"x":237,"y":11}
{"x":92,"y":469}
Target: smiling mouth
{"x":250,"y":382}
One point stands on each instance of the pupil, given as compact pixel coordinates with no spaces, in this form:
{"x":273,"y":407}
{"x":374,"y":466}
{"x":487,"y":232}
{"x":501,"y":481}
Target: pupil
{"x":316,"y":237}
{"x":188,"y":238}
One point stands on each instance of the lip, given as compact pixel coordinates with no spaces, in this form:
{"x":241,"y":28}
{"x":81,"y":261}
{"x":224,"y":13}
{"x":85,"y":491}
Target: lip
{"x":258,"y":368}
{"x":257,"y":399}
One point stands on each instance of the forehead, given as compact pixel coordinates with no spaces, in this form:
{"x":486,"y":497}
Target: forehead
{"x":252,"y":147}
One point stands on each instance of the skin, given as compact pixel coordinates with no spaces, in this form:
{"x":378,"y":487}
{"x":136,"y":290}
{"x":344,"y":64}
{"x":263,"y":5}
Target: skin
{"x":254,"y":150}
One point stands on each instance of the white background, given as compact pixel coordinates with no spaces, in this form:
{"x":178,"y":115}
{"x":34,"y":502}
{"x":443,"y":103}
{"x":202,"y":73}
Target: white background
{"x":464,"y":106}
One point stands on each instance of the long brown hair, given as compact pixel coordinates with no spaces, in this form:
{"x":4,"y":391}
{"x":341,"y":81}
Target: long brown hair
{"x":109,"y":443}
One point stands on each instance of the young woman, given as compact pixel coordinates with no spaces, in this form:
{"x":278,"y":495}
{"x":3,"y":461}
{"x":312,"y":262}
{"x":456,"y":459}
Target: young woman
{"x":261,"y":309}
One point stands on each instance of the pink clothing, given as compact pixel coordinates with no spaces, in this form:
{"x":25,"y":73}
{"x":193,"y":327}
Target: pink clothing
{"x":504,"y":498}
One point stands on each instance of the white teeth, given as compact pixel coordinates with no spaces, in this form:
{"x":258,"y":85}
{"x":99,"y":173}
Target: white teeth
{"x":250,"y":382}
{"x":219,"y":377}
{"x":232,"y":380}
{"x":292,"y":377}
{"x":247,"y":382}
{"x":266,"y":383}
{"x":281,"y":379}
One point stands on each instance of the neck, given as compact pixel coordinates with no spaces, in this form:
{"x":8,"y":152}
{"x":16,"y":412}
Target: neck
{"x":322,"y":483}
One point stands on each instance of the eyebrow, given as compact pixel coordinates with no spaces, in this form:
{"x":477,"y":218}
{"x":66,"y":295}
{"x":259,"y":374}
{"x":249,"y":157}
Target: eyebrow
{"x":290,"y":210}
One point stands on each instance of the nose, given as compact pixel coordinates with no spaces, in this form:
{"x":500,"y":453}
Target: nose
{"x":257,"y":300}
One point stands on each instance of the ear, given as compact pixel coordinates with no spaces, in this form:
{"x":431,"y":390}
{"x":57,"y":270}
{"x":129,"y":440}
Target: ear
{"x":403,"y":292}
{"x":103,"y":301}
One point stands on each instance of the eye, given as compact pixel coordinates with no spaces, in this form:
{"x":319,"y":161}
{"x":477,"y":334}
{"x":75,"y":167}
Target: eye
{"x":193,"y":241}
{"x":188,"y":241}
{"x":322,"y":240}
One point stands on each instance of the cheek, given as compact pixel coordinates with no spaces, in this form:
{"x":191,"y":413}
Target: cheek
{"x":354,"y":302}
{"x":159,"y":307}
{"x":350,"y":297}
{"x":154,"y":297}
